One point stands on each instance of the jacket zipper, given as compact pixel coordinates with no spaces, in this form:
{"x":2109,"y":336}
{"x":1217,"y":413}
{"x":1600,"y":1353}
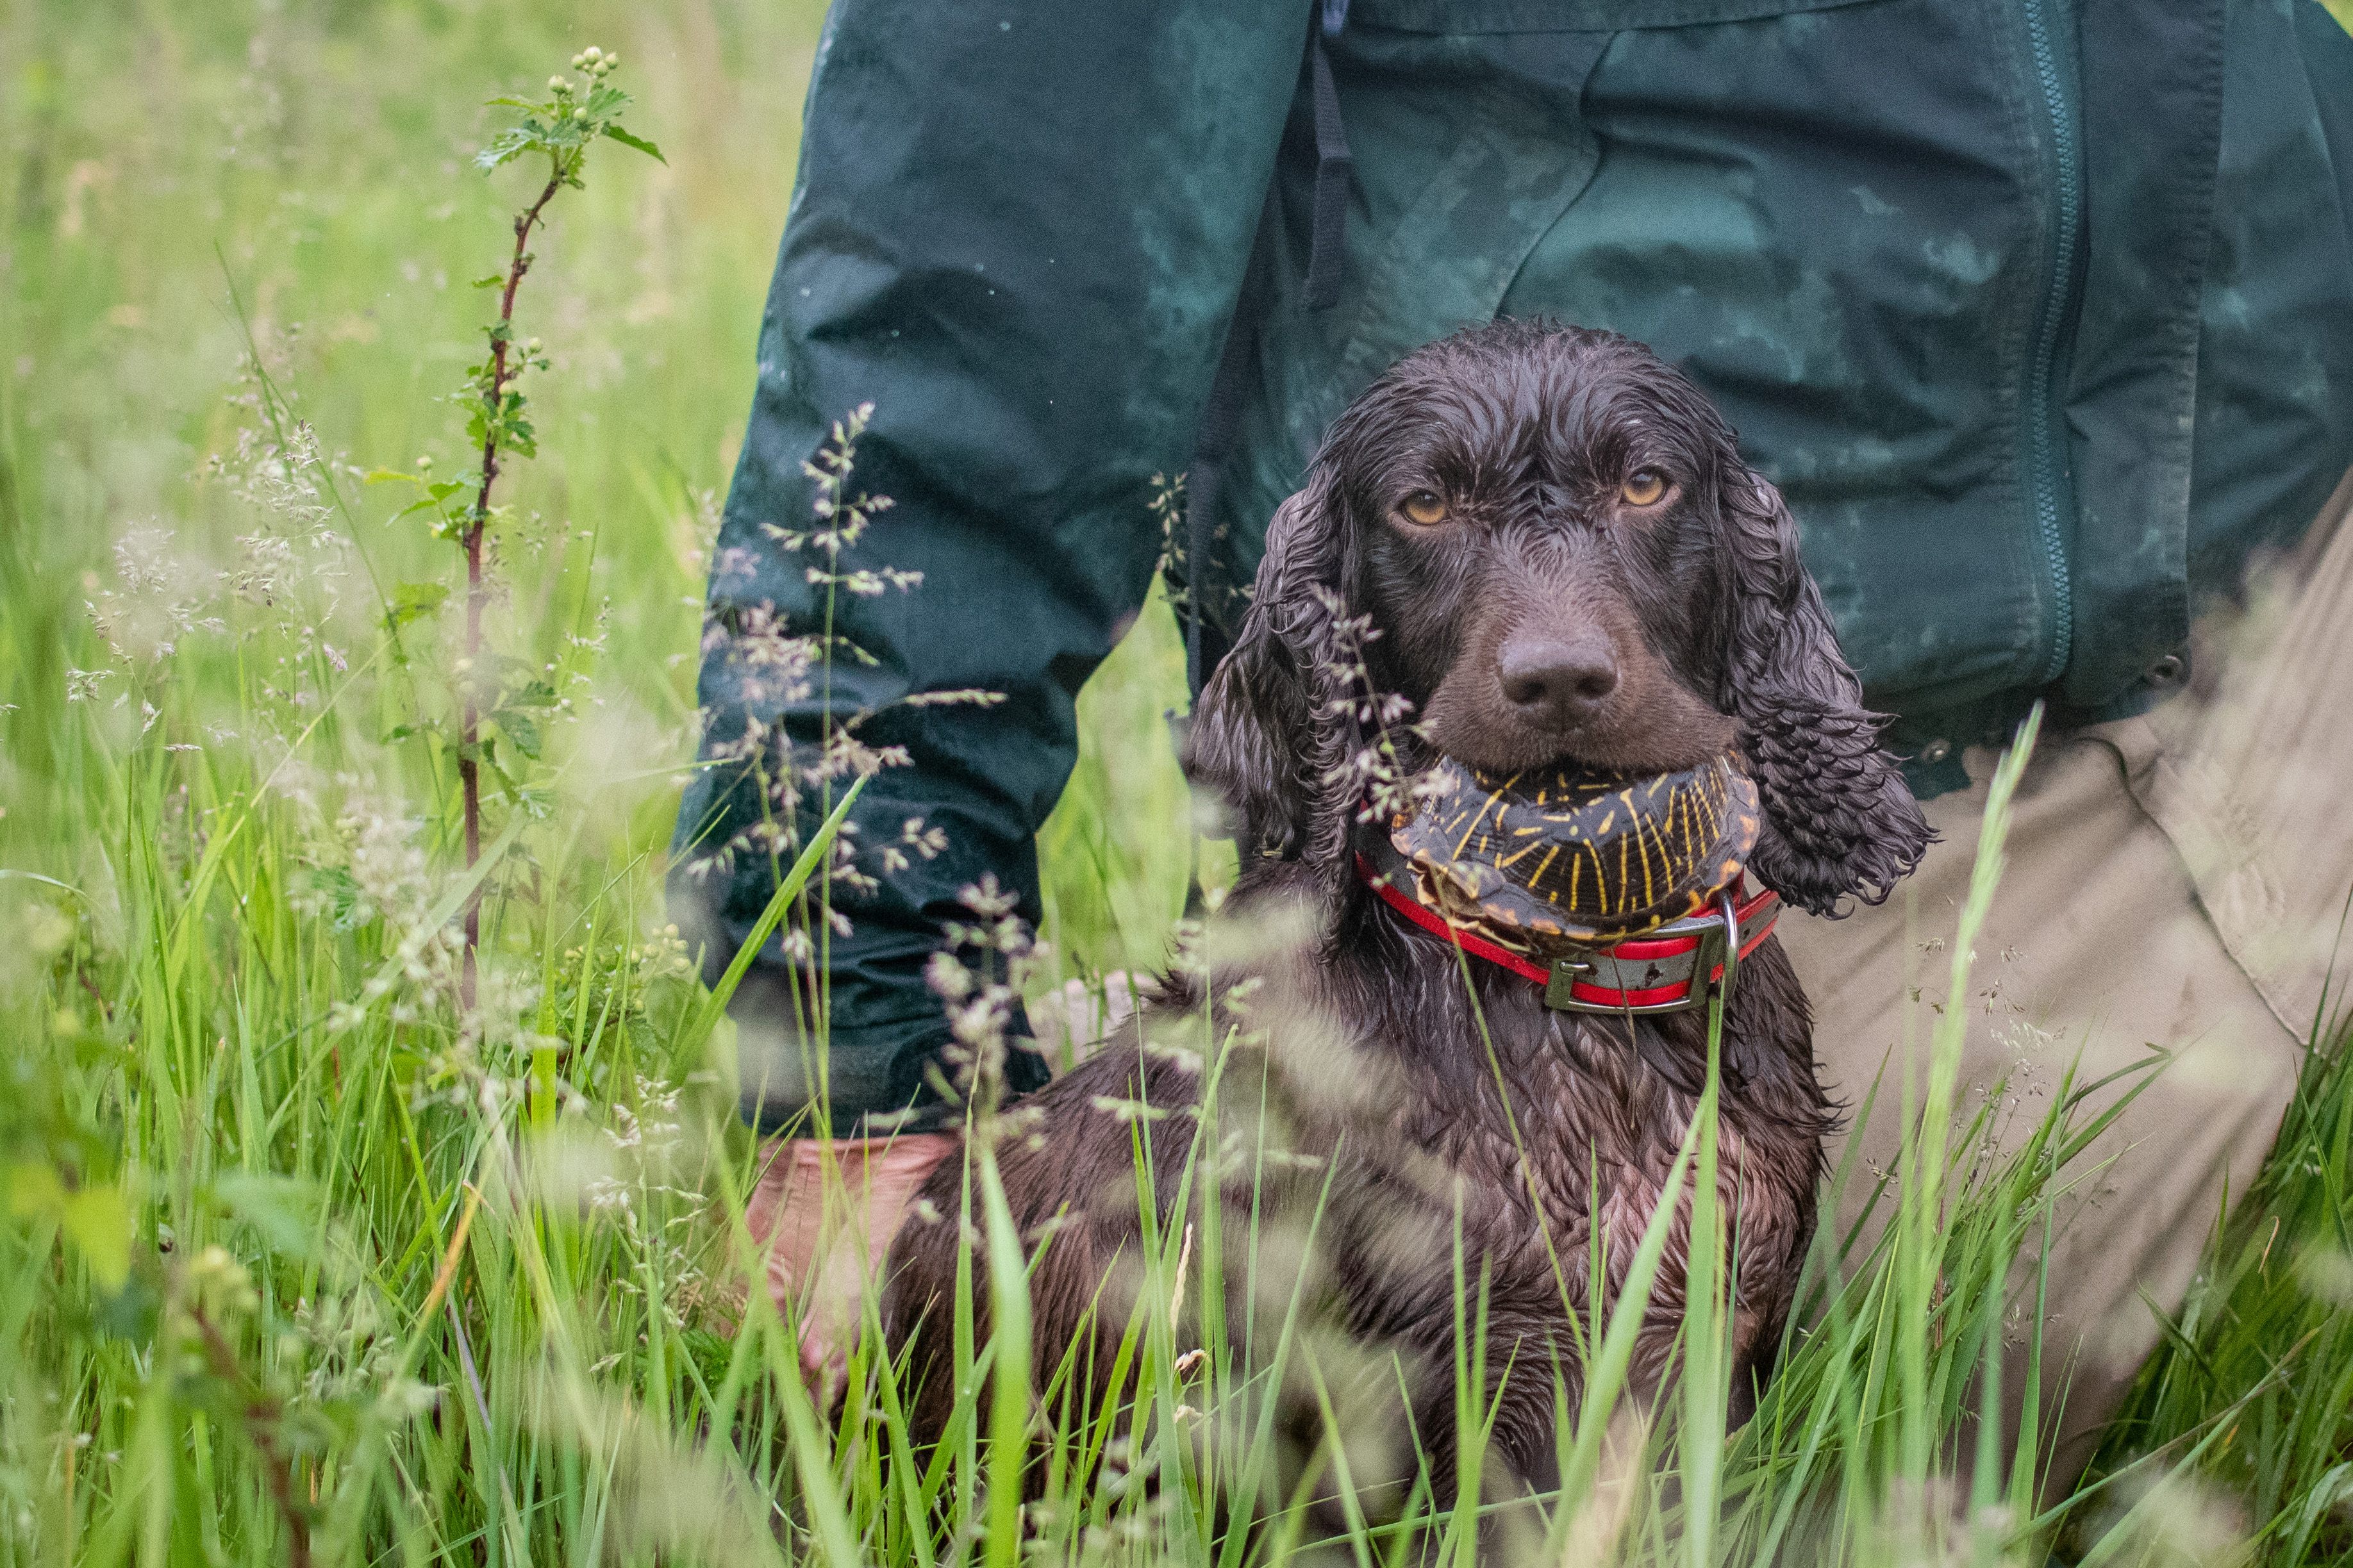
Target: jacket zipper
{"x":2046,"y":453}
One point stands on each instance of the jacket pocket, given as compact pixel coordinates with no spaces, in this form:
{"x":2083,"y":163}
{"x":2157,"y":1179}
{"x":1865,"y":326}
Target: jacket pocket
{"x":1471,"y":17}
{"x":1846,"y":225}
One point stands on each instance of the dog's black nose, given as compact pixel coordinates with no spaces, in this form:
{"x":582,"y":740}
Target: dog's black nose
{"x":1558,"y":681}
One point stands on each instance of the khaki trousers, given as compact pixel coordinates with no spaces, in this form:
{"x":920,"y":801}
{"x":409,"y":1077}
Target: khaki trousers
{"x":2174,"y":881}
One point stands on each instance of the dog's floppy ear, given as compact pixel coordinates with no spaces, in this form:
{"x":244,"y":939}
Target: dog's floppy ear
{"x":1838,"y":819}
{"x":1253,"y":742}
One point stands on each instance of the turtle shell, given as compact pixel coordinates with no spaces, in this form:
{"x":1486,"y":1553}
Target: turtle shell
{"x":1577,"y":854}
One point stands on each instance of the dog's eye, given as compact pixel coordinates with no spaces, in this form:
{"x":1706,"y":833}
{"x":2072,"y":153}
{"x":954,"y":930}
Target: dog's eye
{"x":1643,"y":487}
{"x":1426,"y":508}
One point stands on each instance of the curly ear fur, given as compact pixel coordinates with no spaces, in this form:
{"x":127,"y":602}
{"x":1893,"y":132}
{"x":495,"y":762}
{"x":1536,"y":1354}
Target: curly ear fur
{"x":1838,"y":819}
{"x":1267,"y":734}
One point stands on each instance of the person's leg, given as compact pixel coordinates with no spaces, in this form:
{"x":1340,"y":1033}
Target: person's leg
{"x":2174,"y":883}
{"x":2095,"y":954}
{"x":2249,"y":776}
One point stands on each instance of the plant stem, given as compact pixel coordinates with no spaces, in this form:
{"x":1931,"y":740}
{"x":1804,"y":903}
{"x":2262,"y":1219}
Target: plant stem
{"x":470,"y":736}
{"x":261,"y":1412}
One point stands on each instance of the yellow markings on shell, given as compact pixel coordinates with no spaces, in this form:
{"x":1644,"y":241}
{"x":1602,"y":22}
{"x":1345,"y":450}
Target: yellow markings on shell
{"x":1522,"y":853}
{"x":1476,"y":819}
{"x":1677,"y":824}
{"x":1650,"y":894}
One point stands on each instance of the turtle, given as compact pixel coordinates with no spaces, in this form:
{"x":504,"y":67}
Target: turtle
{"x":1573,"y":855}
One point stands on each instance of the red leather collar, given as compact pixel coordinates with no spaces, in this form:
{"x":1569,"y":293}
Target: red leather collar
{"x":1655,"y":973}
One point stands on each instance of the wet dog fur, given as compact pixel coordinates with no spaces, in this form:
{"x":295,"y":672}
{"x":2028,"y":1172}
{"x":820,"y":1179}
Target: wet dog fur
{"x":1559,"y":553}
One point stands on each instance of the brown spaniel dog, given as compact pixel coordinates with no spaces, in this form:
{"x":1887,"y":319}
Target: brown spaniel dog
{"x":1544,"y":541}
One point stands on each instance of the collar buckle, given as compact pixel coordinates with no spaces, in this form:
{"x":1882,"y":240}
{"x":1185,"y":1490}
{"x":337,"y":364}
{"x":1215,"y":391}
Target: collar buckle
{"x":1673,"y":969}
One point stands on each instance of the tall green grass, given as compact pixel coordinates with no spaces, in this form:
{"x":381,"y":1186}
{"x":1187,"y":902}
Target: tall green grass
{"x":300,"y":1262}
{"x":2245,"y":1410}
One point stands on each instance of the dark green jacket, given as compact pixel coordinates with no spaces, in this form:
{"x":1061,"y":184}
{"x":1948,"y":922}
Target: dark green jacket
{"x":2039,"y":311}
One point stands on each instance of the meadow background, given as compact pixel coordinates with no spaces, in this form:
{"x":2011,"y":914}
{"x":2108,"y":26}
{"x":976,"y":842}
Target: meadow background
{"x":300,"y":1262}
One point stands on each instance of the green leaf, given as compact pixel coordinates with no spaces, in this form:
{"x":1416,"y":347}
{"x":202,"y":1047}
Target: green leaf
{"x":640,"y":143}
{"x":522,"y":730}
{"x":389,"y":477}
{"x":98,"y":1224}
{"x":502,"y":780}
{"x":532,"y":694}
{"x":130,"y":1313}
{"x":284,"y":1211}
{"x":35,"y":1189}
{"x":505,"y":148}
{"x":492,"y":281}
{"x":414,"y":601}
{"x":435,"y":494}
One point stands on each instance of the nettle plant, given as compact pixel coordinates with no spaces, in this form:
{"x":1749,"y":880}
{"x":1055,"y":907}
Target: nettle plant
{"x":501,"y":701}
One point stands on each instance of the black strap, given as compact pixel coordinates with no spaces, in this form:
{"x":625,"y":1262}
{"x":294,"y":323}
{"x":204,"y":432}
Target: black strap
{"x":1221,"y":419}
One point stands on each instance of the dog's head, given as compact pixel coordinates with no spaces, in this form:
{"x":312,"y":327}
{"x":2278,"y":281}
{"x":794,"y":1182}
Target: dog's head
{"x":1560,"y":556}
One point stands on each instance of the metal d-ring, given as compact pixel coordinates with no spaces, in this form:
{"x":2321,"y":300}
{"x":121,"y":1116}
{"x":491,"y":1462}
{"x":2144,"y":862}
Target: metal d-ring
{"x":1731,"y":945}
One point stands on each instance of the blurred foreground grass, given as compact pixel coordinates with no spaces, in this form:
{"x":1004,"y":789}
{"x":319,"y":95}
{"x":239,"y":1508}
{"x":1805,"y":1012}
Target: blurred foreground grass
{"x":289,"y":1239}
{"x":317,"y":159}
